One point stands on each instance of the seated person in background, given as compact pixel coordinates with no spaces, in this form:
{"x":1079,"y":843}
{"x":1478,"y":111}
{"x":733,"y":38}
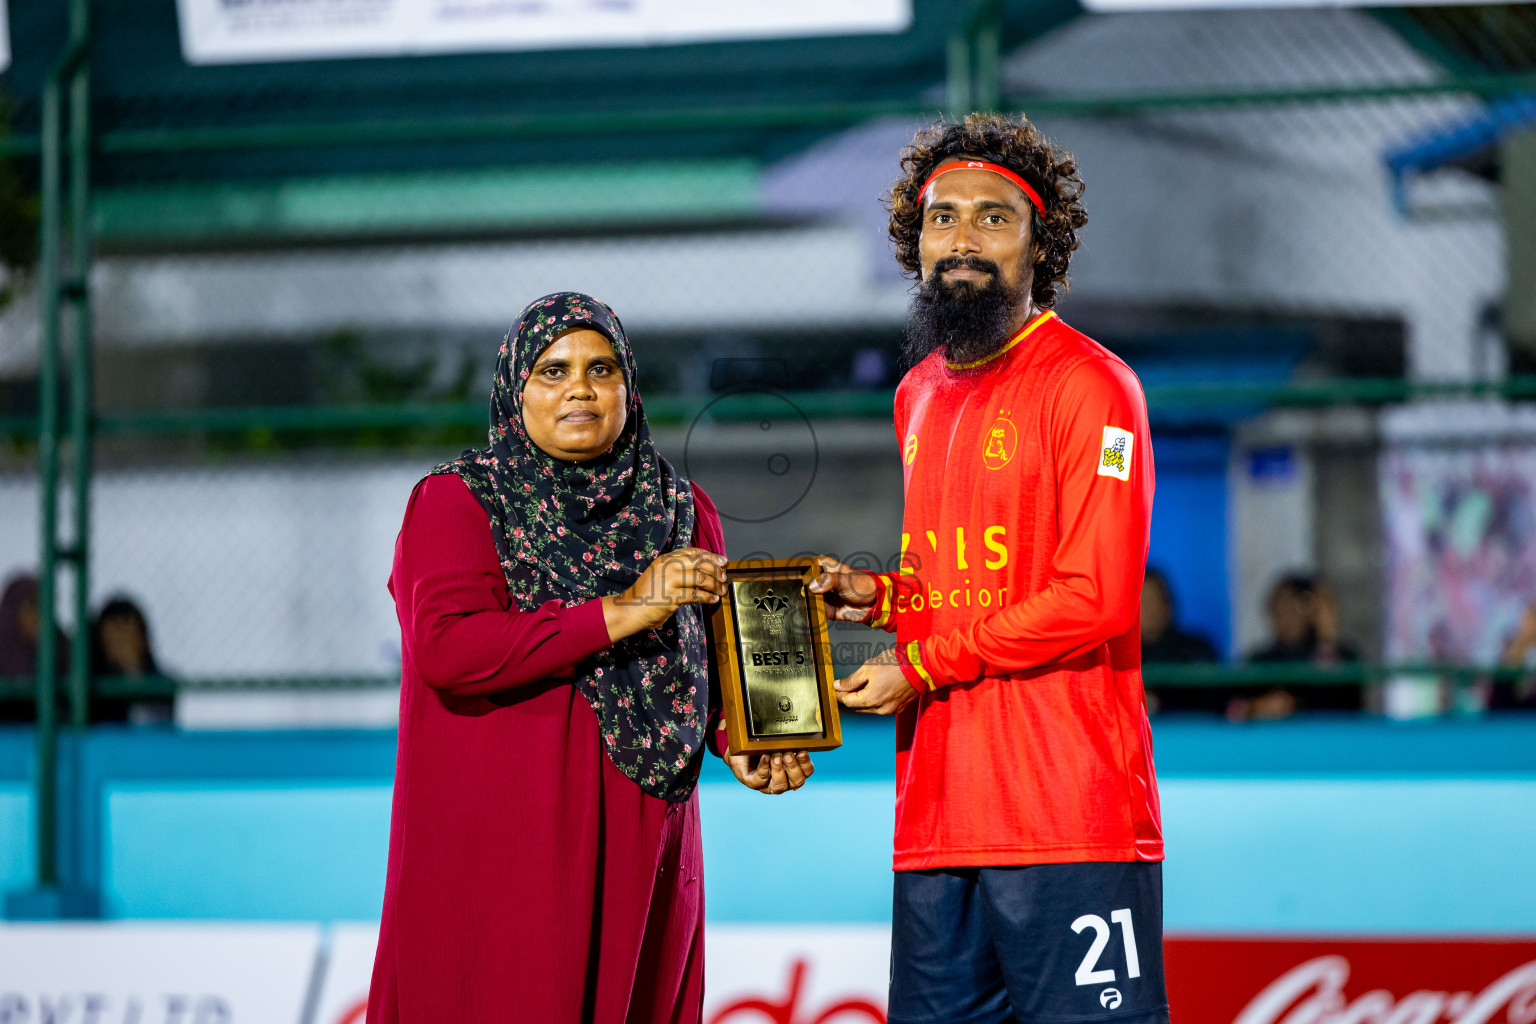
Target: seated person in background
{"x":1510,"y":694}
{"x":1304,"y":619}
{"x":1163,"y":643}
{"x":20,"y":623}
{"x":120,"y":648}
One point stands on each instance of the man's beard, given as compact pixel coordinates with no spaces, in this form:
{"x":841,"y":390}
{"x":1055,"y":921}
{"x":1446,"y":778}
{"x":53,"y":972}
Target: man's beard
{"x":967,"y":320}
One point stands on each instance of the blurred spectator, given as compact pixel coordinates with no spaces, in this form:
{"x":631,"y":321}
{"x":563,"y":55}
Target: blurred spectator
{"x":121,"y":649}
{"x":1304,"y":620}
{"x":1517,"y":693}
{"x":20,"y":623}
{"x":1164,"y":643}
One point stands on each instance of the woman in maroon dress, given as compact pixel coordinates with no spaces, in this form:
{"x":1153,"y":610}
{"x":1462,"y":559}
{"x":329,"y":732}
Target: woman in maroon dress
{"x":544,"y":852}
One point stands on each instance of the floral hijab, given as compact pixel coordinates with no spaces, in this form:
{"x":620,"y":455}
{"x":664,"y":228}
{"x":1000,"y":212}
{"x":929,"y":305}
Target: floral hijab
{"x":573,"y":531}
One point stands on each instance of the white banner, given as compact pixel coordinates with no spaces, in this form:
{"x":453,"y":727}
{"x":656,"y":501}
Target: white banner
{"x":1111,"y":6}
{"x":155,"y":973}
{"x":134,"y":973}
{"x":828,"y":974}
{"x":344,"y":996}
{"x":247,"y":31}
{"x":754,"y":974}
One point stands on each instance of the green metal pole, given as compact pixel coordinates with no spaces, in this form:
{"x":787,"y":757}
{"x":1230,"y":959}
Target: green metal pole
{"x":48,"y":481}
{"x":957,"y":85}
{"x":986,"y":56}
{"x":82,"y":368}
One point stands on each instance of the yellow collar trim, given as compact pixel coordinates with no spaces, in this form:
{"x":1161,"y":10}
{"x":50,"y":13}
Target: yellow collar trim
{"x":1024,"y":332}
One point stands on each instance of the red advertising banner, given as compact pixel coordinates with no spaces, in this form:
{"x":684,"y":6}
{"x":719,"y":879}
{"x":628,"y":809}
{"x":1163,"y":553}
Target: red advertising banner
{"x":1366,"y":981}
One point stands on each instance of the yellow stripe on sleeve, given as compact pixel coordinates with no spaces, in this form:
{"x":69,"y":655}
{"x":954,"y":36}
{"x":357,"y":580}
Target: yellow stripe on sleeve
{"x":914,"y":657}
{"x":883,"y":616}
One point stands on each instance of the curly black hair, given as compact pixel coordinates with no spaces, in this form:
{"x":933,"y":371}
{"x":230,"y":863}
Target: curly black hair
{"x":1019,"y":146}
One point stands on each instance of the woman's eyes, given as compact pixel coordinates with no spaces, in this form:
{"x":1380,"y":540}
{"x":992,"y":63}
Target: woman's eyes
{"x":556,"y":372}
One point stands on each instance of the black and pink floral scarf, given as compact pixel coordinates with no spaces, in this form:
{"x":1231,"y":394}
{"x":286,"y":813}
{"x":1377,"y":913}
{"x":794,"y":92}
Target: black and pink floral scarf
{"x":578,"y":530}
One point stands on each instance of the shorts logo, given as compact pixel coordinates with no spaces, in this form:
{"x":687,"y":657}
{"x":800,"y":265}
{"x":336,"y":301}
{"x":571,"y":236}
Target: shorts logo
{"x":1110,"y":999}
{"x":1115,"y":460}
{"x":1000,"y":444}
{"x":909,"y":452}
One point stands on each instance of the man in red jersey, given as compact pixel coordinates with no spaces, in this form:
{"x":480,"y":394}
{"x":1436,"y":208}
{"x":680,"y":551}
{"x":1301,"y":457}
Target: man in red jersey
{"x":1028,"y":843}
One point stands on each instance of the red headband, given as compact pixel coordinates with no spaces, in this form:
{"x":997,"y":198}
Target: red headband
{"x":982,"y":165}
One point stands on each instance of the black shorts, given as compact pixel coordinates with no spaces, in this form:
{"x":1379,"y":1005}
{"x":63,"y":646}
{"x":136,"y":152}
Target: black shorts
{"x":1040,"y":944}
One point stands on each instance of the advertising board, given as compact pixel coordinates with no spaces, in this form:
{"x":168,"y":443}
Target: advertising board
{"x":1351,"y":981}
{"x":225,"y":32}
{"x":137,"y":973}
{"x":106,"y":973}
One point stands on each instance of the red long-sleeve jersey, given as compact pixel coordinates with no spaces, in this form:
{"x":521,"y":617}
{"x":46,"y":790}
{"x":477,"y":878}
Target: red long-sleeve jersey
{"x":1017,"y":608}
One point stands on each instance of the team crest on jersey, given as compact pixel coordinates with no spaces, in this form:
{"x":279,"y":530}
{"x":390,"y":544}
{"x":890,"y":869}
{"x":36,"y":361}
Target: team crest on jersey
{"x":909,"y":450}
{"x":1000,"y":444}
{"x":1115,"y":460}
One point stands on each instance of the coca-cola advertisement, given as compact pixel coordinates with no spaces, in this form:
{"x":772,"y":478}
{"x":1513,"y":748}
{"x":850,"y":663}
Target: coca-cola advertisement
{"x":1328,"y":981}
{"x":756,"y":974}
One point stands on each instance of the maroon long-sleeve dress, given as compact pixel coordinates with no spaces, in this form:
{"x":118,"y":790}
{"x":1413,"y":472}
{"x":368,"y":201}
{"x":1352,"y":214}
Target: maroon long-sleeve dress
{"x":530,"y":881}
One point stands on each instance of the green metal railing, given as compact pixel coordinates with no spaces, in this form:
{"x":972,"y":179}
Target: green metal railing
{"x":66,"y":95}
{"x":748,"y":404}
{"x":786,"y":116}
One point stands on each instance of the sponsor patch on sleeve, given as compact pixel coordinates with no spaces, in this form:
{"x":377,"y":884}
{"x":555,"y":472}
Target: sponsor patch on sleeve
{"x":1115,"y":459}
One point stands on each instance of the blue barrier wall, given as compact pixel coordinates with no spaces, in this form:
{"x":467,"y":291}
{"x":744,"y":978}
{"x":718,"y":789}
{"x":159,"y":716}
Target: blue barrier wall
{"x":1189,"y":531}
{"x":1310,"y":826}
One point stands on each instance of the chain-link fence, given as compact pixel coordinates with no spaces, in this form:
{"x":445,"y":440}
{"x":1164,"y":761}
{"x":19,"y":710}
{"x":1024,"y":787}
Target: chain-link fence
{"x":1302,"y":238}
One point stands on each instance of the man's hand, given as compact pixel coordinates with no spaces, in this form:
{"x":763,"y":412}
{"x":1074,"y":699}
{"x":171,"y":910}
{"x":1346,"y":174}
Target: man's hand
{"x":772,"y":773}
{"x":849,"y":592}
{"x":878,"y":686}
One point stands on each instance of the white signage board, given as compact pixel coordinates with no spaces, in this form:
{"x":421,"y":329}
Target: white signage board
{"x":1109,"y":6}
{"x":797,"y":972}
{"x":231,"y":32}
{"x":135,"y":973}
{"x":348,"y":970}
{"x":753,"y":973}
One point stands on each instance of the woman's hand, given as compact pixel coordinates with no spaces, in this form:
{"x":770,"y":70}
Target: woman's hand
{"x":849,"y":592}
{"x":684,"y":576}
{"x":772,"y":773}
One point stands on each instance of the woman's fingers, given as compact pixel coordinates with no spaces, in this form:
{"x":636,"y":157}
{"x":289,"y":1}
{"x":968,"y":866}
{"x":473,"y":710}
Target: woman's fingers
{"x":778,"y":781}
{"x":797,"y":768}
{"x":691,"y":569}
{"x":773,"y":773}
{"x":709,"y":576}
{"x":751,"y":769}
{"x":762,"y":773}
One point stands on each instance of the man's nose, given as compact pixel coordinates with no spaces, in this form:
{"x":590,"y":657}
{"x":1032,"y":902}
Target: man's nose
{"x":964,"y":241}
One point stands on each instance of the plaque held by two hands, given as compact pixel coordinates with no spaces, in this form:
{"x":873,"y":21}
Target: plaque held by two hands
{"x":769,"y":641}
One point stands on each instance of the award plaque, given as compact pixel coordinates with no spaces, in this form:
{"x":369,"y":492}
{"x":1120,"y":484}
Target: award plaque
{"x":773,"y":658}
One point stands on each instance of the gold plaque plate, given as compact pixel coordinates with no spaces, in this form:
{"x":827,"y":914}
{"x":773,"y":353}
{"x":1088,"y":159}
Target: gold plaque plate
{"x":778,"y":666}
{"x":772,"y":659}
